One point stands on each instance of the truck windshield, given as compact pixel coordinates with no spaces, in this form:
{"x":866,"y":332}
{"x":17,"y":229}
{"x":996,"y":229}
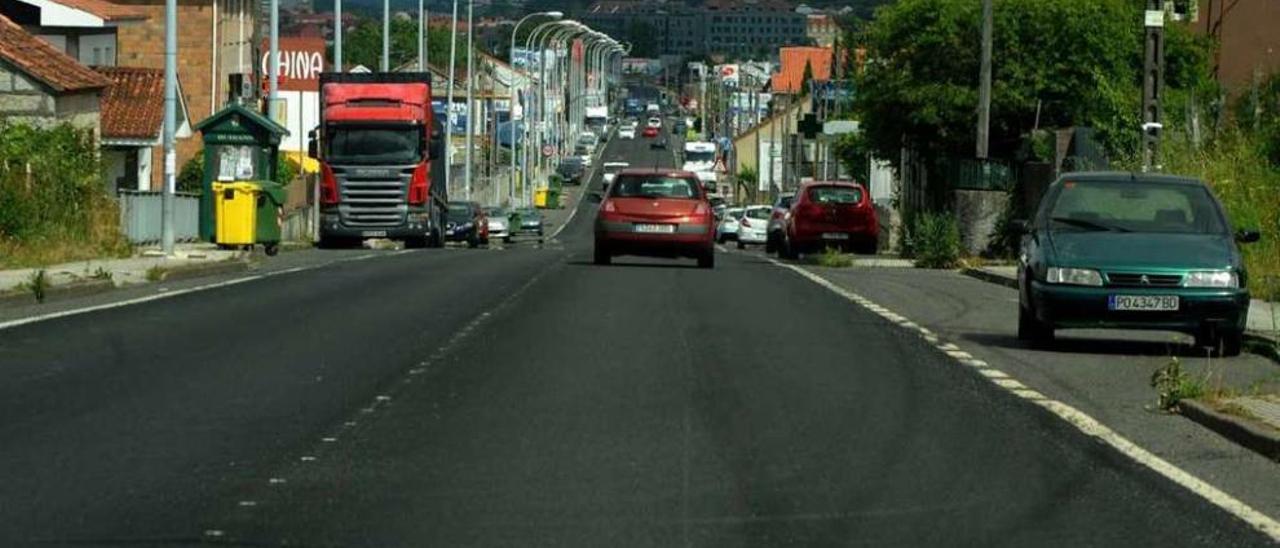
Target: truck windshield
{"x":375,"y":145}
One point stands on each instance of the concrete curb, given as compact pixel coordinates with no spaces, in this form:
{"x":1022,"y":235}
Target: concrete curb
{"x":57,"y":292}
{"x":1246,"y":432}
{"x":989,"y":277}
{"x":200,"y":270}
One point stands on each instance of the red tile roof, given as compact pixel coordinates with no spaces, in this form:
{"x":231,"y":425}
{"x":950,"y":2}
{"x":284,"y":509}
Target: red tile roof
{"x":106,"y":10}
{"x":793,"y":59}
{"x":44,"y":62}
{"x":133,"y":106}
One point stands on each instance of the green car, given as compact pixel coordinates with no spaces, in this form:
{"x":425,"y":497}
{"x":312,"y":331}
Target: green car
{"x":1133,"y":251}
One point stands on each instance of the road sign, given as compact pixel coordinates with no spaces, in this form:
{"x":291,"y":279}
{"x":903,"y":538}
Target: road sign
{"x":809,"y":126}
{"x":548,"y":150}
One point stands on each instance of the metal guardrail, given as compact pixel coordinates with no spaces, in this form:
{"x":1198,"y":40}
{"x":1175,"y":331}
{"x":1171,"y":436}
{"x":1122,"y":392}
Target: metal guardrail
{"x":140,"y":216}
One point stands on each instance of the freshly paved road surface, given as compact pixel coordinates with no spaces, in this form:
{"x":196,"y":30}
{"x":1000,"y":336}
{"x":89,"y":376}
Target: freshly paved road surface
{"x":525,"y":397}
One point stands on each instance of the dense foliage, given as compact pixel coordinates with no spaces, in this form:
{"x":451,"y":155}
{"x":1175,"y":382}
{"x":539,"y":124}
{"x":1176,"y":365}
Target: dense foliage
{"x":1056,"y":63}
{"x":52,"y":196}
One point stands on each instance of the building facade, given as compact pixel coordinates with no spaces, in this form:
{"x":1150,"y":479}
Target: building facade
{"x":43,"y":86}
{"x":736,"y":29}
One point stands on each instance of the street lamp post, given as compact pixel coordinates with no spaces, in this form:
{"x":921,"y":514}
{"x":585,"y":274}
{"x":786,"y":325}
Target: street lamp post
{"x":511,"y":118}
{"x":471,"y":81}
{"x":448,"y":108}
{"x":551,"y":29}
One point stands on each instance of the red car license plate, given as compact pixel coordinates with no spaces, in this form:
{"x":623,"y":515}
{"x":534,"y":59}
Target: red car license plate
{"x":655,"y":229}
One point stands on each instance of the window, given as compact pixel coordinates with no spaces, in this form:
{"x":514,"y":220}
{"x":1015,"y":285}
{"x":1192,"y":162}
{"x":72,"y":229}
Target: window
{"x":835,"y":195}
{"x":375,"y":145}
{"x":1135,"y":206}
{"x":654,"y":186}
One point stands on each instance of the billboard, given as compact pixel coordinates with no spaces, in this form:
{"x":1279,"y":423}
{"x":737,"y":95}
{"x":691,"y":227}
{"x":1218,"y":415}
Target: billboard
{"x":301,"y":62}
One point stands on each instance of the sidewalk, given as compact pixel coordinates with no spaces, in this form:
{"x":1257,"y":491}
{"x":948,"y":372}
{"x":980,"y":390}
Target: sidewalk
{"x":102,"y":274}
{"x":1252,"y":418}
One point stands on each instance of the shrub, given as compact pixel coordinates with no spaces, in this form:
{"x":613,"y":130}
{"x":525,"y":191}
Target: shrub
{"x":54,"y":204}
{"x":934,"y":240}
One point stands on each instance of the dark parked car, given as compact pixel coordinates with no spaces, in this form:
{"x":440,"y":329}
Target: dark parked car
{"x":529,"y":219}
{"x":466,"y":222}
{"x":1133,"y":251}
{"x":571,"y":170}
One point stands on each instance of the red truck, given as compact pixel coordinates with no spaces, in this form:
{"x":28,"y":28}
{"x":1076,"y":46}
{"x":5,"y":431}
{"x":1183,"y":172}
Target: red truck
{"x":375,"y":143}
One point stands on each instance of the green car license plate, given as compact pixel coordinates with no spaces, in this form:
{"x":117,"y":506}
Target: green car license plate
{"x":1143,"y":303}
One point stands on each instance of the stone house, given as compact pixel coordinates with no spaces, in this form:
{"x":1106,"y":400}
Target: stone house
{"x":43,"y":86}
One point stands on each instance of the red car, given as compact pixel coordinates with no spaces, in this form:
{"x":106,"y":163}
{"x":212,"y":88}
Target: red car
{"x":655,"y":213}
{"x":830,"y":214}
{"x":650,"y":132}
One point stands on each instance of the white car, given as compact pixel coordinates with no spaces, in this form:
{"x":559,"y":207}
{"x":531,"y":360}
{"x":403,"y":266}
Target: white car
{"x":499,"y":225}
{"x":655,"y":122}
{"x":727,"y":228}
{"x":590,"y":141}
{"x":611,"y":169}
{"x":753,"y":225}
{"x":627,"y":132}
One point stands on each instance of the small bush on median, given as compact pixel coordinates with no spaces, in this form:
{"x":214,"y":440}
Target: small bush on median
{"x":1173,"y":385}
{"x":934,"y":240}
{"x":833,"y":258}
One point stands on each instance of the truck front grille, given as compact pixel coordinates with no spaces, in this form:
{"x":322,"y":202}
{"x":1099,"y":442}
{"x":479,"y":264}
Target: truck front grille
{"x":373,"y":196}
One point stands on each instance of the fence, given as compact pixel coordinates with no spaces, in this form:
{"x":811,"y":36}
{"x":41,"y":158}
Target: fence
{"x":140,"y":213}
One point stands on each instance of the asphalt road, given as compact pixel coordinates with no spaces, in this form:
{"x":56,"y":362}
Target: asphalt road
{"x":525,"y":397}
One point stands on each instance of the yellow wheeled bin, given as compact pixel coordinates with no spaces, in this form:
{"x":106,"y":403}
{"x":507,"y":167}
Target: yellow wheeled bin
{"x":235,"y":213}
{"x":540,"y":197}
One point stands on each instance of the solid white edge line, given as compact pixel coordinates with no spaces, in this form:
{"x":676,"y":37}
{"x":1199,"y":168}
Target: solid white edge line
{"x":165,"y":293}
{"x":1088,"y":425}
{"x":128,"y":302}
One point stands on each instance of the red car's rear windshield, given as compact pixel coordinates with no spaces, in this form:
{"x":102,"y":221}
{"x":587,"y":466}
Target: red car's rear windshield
{"x":655,"y":186}
{"x":835,"y":195}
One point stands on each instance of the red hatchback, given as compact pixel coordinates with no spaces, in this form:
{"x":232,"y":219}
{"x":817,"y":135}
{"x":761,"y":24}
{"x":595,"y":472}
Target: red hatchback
{"x":830,"y":214}
{"x":650,"y":132}
{"x":655,"y":213}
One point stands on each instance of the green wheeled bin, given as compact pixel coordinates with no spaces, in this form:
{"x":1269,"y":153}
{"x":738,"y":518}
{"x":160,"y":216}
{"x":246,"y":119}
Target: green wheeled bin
{"x":270,"y":213}
{"x":555,"y":185}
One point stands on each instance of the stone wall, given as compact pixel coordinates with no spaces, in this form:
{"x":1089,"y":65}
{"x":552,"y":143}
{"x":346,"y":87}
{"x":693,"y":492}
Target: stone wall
{"x":23,"y":99}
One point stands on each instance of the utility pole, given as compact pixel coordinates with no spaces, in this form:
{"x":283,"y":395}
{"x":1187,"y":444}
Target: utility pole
{"x":170,"y":124}
{"x":273,"y":70}
{"x":386,"y":34}
{"x":422,"y":44}
{"x":337,"y":35}
{"x":471,"y":84}
{"x":448,"y":109}
{"x":984,"y":83}
{"x":1152,"y":84}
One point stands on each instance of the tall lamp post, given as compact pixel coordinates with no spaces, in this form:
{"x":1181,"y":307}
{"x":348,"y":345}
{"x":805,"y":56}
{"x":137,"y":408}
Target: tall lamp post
{"x":511,"y":119}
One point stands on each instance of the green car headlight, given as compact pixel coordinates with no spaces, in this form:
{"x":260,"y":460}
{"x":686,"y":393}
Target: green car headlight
{"x":1074,"y":276}
{"x":1218,"y":278}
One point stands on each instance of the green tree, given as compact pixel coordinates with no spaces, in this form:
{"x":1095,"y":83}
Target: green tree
{"x":1075,"y":61}
{"x":362,"y":45}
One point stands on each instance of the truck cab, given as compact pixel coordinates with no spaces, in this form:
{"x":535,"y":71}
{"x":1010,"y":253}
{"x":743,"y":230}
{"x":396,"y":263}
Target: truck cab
{"x":700,"y":158}
{"x":376,"y":142}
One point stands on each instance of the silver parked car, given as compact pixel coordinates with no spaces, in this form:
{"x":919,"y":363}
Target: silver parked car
{"x":773,"y":236}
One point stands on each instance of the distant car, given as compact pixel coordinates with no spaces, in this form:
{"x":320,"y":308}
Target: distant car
{"x":529,"y":219}
{"x":650,"y":132}
{"x":588,"y":142}
{"x":627,"y":132}
{"x":655,"y":122}
{"x":466,"y":222}
{"x":610,"y":170}
{"x":752,"y":225}
{"x":655,"y":213}
{"x":830,"y":214}
{"x":773,"y":231}
{"x":658,"y":143}
{"x":499,"y":224}
{"x":727,"y":228}
{"x":1133,"y":251}
{"x":571,"y":170}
